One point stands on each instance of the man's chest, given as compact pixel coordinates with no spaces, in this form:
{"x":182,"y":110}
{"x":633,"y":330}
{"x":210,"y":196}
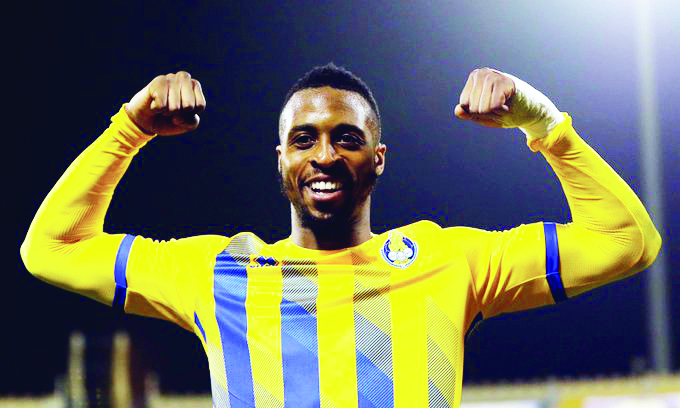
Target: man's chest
{"x":341,"y":327}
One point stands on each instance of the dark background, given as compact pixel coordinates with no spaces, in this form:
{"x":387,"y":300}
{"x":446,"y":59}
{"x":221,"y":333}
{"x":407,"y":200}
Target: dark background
{"x":73,"y":64}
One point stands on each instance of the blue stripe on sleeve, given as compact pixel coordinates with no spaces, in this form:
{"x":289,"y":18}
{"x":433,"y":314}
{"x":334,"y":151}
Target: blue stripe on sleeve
{"x":120,"y":271}
{"x":552,"y":262}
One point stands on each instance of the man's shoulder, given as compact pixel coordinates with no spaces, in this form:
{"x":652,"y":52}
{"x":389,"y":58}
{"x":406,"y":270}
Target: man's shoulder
{"x":422,"y":227}
{"x":432,"y":235}
{"x":210,"y":244}
{"x":243,"y":242}
{"x":419,"y":233}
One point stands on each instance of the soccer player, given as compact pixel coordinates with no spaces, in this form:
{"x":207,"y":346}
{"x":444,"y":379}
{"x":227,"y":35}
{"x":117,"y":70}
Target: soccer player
{"x":336,"y":315}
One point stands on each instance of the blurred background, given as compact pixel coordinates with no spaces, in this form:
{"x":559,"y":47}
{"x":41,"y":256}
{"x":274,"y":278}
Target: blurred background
{"x":73,"y":64}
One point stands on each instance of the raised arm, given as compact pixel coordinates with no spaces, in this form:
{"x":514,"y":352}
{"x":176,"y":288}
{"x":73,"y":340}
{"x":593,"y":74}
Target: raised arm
{"x":611,"y":235}
{"x":66,"y":244}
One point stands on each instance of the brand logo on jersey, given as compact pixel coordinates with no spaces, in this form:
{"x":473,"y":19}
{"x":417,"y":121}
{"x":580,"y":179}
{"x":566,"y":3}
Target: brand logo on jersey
{"x":398,"y":250}
{"x":259,"y":261}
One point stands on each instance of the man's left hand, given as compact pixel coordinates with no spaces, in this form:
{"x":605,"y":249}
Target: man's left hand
{"x":485,"y":96}
{"x":496,"y":99}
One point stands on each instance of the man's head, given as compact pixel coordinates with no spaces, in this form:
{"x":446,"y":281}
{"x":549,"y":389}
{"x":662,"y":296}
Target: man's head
{"x":338,"y":78}
{"x":330,"y":155}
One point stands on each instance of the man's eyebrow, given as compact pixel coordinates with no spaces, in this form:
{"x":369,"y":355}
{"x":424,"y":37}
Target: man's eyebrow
{"x":300,"y":128}
{"x":303,"y":128}
{"x":346,"y":127}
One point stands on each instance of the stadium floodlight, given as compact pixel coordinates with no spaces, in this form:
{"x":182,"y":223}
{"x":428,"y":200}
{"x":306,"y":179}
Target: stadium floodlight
{"x":658,"y":311}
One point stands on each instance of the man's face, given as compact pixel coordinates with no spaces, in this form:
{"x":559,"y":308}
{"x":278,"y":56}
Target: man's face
{"x":329,"y":157}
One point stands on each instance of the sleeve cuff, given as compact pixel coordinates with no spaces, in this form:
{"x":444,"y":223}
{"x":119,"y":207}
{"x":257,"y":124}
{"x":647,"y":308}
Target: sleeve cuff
{"x":128,"y":129}
{"x":545,"y":143}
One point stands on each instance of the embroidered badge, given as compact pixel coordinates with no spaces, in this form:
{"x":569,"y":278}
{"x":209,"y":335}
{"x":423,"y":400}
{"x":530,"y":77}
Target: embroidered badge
{"x":398,"y":250}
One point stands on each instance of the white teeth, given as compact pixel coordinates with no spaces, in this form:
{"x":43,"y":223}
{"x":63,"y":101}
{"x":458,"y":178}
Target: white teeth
{"x":325,"y":185}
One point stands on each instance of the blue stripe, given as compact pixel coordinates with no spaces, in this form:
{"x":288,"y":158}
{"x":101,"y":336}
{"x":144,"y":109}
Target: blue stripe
{"x":435,"y":397}
{"x":200,"y":327}
{"x":300,"y":356}
{"x":374,"y":363}
{"x":373,"y":384}
{"x":119,"y":272}
{"x":364,"y":402}
{"x":231,"y":284}
{"x":552,"y":262}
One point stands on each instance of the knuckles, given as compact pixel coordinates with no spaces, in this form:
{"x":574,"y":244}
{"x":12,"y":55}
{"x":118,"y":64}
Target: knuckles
{"x":485,"y":91}
{"x":486,"y":74}
{"x":169,"y":104}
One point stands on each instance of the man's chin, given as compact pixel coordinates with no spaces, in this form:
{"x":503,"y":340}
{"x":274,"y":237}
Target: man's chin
{"x":316,"y":219}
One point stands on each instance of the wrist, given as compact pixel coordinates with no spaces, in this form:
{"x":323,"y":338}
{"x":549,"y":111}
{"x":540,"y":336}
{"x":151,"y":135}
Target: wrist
{"x":558,"y":141}
{"x":135,"y":121}
{"x":541,"y":127}
{"x":127,"y":128}
{"x":531,"y":111}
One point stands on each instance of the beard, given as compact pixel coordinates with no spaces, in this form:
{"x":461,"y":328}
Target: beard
{"x":336,"y":219}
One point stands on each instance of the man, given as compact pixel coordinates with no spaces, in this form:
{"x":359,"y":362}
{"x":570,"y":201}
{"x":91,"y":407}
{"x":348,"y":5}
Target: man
{"x":336,"y":315}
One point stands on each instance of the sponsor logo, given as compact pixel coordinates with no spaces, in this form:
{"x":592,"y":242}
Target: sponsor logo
{"x":260,"y":261}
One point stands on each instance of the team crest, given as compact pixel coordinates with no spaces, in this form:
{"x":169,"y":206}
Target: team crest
{"x":398,"y":250}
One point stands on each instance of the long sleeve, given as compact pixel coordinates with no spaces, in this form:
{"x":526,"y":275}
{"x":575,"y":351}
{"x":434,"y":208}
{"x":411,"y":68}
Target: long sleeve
{"x":66,"y":244}
{"x":611,"y":235}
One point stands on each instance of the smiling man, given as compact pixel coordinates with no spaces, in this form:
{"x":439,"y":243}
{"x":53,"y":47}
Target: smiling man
{"x":330,"y":157}
{"x":335,"y":315}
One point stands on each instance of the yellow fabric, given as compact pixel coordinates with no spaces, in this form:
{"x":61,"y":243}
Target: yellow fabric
{"x":358,"y":300}
{"x":65,"y":244}
{"x":611,"y":235}
{"x":456,"y":273}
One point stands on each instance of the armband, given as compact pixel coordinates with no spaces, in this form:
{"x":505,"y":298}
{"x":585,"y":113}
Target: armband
{"x":552,"y":263}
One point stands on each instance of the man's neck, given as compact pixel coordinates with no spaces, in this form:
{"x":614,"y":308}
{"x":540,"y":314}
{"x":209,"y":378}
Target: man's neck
{"x":349,"y":234}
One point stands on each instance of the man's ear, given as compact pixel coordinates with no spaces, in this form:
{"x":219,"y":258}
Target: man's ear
{"x":278,"y":158}
{"x":380,"y":151}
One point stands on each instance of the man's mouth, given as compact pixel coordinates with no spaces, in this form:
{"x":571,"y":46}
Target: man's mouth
{"x":325,"y":186}
{"x":325,"y":191}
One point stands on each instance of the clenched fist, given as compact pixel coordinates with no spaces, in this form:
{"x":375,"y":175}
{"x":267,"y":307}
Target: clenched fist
{"x":496,"y":99}
{"x":168,"y":105}
{"x":485,"y":96}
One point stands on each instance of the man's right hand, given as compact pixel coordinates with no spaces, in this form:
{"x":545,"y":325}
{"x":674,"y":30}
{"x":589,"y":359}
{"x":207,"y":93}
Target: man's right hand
{"x":168,"y":105}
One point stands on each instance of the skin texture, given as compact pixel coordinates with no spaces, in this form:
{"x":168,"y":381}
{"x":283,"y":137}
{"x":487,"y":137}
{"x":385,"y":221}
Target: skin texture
{"x":486,"y":97}
{"x":325,"y":134}
{"x":169,"y":105}
{"x":329,"y":134}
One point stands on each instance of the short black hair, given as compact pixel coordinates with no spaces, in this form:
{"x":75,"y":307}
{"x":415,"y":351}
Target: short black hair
{"x":338,"y":78}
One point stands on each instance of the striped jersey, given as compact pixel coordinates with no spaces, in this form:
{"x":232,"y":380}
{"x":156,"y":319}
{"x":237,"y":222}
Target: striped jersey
{"x":381,"y":324}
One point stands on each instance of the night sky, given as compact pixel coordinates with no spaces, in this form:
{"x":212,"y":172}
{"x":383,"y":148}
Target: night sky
{"x":74,"y":63}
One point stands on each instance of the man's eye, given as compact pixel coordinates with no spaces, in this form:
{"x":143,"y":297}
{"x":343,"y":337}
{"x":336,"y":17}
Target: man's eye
{"x":304,"y":141}
{"x":349,"y":138}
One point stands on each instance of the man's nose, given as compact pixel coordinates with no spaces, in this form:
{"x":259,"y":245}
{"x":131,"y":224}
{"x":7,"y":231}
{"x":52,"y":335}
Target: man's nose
{"x":325,"y":154}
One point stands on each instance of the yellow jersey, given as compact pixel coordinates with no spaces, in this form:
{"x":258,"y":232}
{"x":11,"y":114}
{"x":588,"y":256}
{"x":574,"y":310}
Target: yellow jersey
{"x":380,"y":324}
